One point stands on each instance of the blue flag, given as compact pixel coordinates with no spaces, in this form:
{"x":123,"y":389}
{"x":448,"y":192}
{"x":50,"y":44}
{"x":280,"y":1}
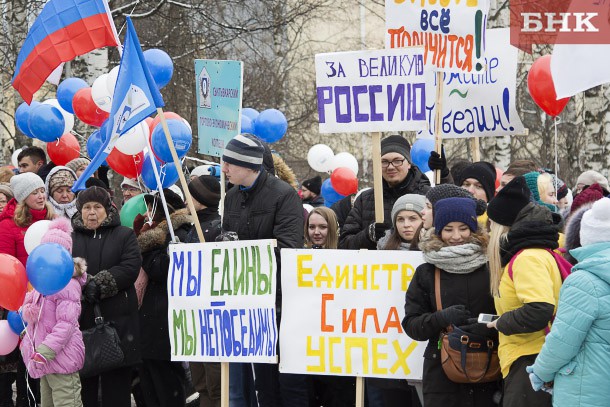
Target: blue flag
{"x":136,"y":97}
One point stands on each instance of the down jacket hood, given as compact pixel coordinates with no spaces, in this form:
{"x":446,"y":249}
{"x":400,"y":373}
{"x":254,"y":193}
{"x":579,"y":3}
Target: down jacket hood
{"x":157,"y":237}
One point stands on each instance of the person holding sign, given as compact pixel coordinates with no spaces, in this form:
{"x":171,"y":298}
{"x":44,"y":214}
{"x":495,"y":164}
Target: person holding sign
{"x":400,"y":177}
{"x":261,"y":206}
{"x":457,"y":249}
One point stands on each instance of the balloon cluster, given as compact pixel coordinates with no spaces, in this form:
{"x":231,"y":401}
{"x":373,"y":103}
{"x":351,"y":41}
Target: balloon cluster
{"x":343,"y":168}
{"x":269,"y":125}
{"x":48,"y":270}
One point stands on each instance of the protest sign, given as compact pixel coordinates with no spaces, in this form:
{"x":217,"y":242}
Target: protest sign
{"x":479,"y":104}
{"x":342,"y":313}
{"x":219,"y":95}
{"x":371,"y":91}
{"x":221,"y":299}
{"x":452,"y":32}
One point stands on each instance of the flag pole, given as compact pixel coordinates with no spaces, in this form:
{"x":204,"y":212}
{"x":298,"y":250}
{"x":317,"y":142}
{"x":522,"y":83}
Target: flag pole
{"x":178,"y":164}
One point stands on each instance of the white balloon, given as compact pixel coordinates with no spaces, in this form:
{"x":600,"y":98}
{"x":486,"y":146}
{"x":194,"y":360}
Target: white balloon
{"x":14,"y":160}
{"x":345,"y":160}
{"x":99,"y":93}
{"x":431,"y":177}
{"x":68,"y":117}
{"x":134,"y":140}
{"x":320,"y":157}
{"x":34,"y":234}
{"x":111,"y":80}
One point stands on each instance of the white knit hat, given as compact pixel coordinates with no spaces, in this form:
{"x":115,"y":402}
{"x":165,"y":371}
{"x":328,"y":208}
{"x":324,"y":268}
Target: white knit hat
{"x":595,"y":224}
{"x":24,"y":184}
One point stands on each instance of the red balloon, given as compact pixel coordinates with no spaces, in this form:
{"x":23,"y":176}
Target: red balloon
{"x":13,"y":282}
{"x":542,"y":89}
{"x":499,"y":174}
{"x":168,"y":115}
{"x":344,"y":181}
{"x":63,"y":150}
{"x":129,"y":166}
{"x":86,"y":109}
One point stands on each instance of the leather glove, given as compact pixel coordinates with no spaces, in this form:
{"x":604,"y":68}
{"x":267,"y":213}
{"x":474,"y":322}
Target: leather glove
{"x":454,"y":315}
{"x":479,"y":329}
{"x":537,"y":383}
{"x":438,"y":161}
{"x":92,"y":292}
{"x":377,"y":230}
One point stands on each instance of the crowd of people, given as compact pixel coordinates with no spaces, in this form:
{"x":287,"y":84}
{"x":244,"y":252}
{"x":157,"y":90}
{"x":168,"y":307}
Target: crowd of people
{"x":489,"y":246}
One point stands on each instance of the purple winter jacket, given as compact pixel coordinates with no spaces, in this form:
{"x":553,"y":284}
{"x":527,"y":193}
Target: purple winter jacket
{"x":58,"y":327}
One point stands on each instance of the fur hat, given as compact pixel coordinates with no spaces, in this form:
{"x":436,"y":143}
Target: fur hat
{"x":483,"y":172}
{"x":455,"y":210}
{"x":444,"y":191}
{"x":595,"y":224}
{"x":396,"y":144}
{"x":60,"y":232}
{"x":174,"y":202}
{"x":313,"y":184}
{"x":24,"y":184}
{"x":205,"y":189}
{"x":408,"y":202}
{"x":94,"y":194}
{"x":506,"y":205}
{"x":589,"y":195}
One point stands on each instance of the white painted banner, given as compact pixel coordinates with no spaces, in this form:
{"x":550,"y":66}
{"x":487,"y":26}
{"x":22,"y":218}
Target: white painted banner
{"x":342,"y":312}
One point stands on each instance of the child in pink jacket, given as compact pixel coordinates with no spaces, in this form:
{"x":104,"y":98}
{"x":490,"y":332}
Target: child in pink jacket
{"x":53,"y":348}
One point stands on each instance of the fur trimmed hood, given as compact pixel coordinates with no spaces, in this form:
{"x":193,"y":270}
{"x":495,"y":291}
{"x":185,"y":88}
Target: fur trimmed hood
{"x":284,"y":172}
{"x":572,"y":231}
{"x":157,"y":237}
{"x":433,"y":243}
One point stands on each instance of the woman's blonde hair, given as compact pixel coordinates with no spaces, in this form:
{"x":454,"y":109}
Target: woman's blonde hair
{"x":545,"y":184}
{"x":23,"y":216}
{"x":332,"y":237}
{"x":497,"y":236}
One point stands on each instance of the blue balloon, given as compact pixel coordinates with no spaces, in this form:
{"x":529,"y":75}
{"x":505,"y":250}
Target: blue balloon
{"x":181,"y":135}
{"x":46,"y":122}
{"x":329,"y":194}
{"x":160,"y":65}
{"x":94,"y":143}
{"x":168,"y":174}
{"x":49,"y":268}
{"x":247,"y":125}
{"x":250,"y":113}
{"x":270,"y":125}
{"x":15,"y":322}
{"x":420,"y":152}
{"x":22,"y":117}
{"x":66,"y":90}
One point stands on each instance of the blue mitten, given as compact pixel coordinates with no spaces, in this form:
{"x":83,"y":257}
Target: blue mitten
{"x":537,"y":383}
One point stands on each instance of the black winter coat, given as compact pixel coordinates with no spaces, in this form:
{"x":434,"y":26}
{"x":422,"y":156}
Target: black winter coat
{"x":209,"y":220}
{"x":153,"y":244}
{"x":271,"y":209}
{"x":354,"y":233}
{"x":421,"y":322}
{"x":113,"y":261}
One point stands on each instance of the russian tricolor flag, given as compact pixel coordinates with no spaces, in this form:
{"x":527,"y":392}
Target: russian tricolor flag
{"x":63,"y":30}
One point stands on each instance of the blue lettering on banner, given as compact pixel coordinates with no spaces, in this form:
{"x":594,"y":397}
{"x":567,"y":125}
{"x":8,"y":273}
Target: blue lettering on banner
{"x":183,"y":271}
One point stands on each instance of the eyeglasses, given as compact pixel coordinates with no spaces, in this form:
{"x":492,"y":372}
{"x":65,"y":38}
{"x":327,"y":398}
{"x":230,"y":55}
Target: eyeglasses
{"x":129,"y":189}
{"x":395,"y":163}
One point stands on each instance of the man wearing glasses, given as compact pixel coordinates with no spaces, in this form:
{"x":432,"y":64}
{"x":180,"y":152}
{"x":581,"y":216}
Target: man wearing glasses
{"x":400,"y":177}
{"x":130,"y":188}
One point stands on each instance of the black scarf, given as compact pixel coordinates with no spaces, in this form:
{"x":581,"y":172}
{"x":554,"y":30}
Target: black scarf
{"x":529,"y":235}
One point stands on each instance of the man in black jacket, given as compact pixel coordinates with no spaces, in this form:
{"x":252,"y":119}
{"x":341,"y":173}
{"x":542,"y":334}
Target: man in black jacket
{"x":400,"y":177}
{"x":261,"y":206}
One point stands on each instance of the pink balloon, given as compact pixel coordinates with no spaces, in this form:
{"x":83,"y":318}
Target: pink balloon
{"x":8,"y":338}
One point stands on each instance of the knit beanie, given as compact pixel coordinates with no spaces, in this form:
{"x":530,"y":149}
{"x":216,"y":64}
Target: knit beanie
{"x":77,"y":163}
{"x":62,"y":177}
{"x":244,"y":150}
{"x":174,"y":202}
{"x":5,"y":188}
{"x":408,"y":202}
{"x":531,"y":178}
{"x":455,"y":210}
{"x":94,"y":194}
{"x":206,"y":190}
{"x":483,"y":172}
{"x":506,"y":205}
{"x":591,"y":177}
{"x":444,"y":191}
{"x":396,"y":144}
{"x":313,"y":184}
{"x":562,"y":188}
{"x":591,"y":194}
{"x":60,"y":232}
{"x":24,"y":184}
{"x":595,"y":224}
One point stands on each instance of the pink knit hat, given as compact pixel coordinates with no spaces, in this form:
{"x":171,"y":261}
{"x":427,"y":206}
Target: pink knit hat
{"x":60,"y":232}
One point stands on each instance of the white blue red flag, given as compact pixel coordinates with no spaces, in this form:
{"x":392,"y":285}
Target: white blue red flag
{"x":136,"y":96}
{"x":63,"y":30}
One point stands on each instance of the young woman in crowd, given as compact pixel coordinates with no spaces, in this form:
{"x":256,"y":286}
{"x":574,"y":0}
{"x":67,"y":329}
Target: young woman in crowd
{"x":526,"y":295}
{"x":321,"y":229}
{"x":575,"y":356}
{"x":406,"y":222}
{"x":457,"y":250}
{"x":5,"y":194}
{"x":113,"y":263}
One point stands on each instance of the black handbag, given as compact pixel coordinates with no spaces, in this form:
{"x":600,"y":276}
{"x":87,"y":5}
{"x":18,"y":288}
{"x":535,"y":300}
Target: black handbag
{"x":102,"y":347}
